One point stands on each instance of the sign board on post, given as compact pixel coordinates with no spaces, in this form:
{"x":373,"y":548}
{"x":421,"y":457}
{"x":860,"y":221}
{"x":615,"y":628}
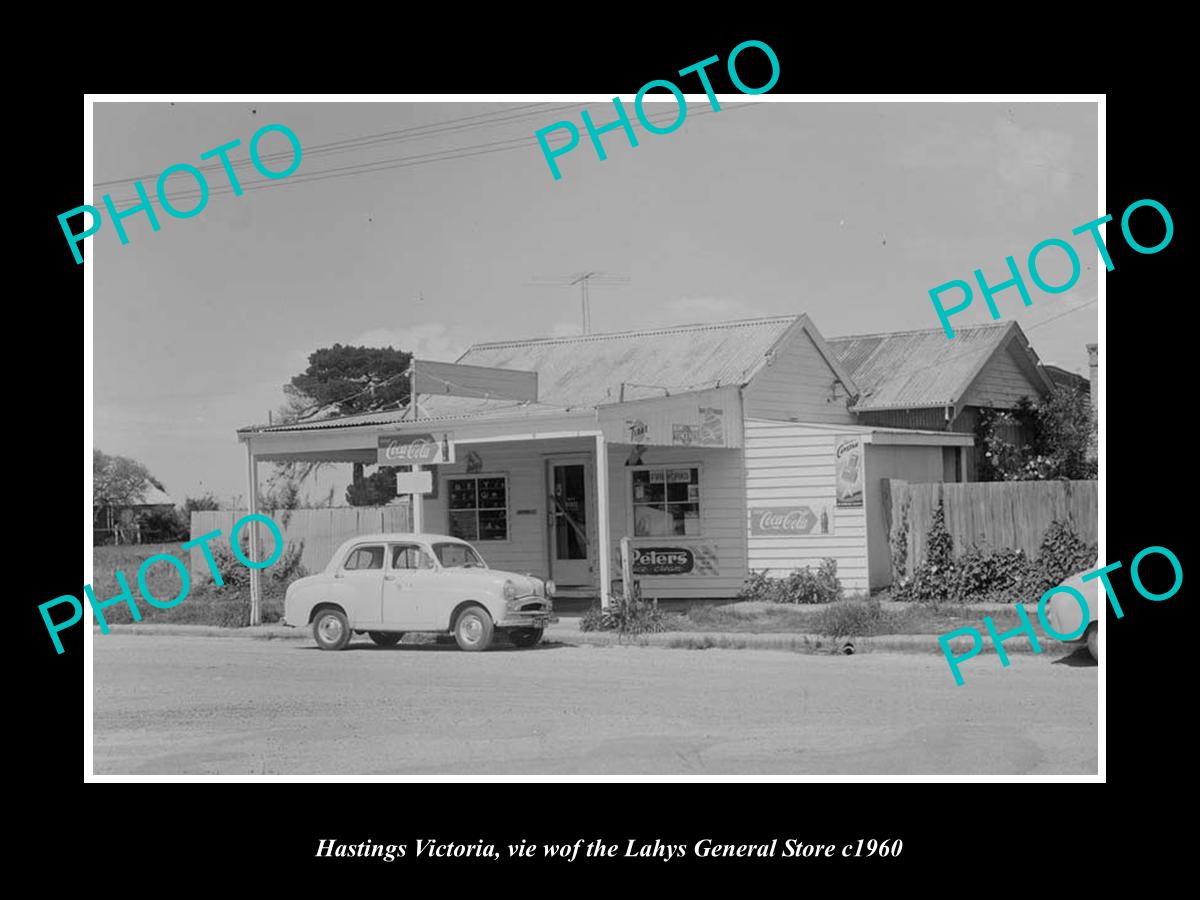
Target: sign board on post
{"x":414,"y":449}
{"x":414,"y":482}
{"x":662,"y":561}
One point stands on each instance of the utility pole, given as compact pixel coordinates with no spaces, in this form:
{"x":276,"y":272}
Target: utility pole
{"x":416,"y":501}
{"x":583,"y":279}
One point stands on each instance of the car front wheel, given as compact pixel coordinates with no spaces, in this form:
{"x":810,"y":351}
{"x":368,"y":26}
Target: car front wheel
{"x":525,"y":637}
{"x":386,"y":638}
{"x":331,"y":630}
{"x":1093,"y":642}
{"x":473,"y":630}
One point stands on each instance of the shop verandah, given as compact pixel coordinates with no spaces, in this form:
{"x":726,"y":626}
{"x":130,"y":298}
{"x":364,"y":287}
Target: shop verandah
{"x":523,"y":488}
{"x":544,"y":491}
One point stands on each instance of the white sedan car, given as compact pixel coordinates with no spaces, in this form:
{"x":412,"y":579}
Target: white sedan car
{"x":389,"y":584}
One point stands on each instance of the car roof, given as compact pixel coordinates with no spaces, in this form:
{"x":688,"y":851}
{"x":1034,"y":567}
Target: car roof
{"x":385,"y":536}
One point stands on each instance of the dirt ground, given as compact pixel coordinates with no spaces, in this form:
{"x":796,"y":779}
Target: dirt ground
{"x":190,"y":705}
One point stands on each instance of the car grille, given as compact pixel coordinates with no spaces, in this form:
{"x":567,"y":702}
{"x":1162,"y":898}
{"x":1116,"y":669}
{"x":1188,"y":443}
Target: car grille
{"x":533,"y":607}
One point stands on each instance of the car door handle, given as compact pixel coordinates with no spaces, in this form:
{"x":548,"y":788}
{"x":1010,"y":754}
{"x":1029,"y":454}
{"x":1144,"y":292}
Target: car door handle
{"x":389,"y":577}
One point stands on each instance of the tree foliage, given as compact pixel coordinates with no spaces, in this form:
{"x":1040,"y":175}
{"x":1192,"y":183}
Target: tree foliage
{"x":344,"y":380}
{"x":341,"y":380}
{"x":119,"y":481}
{"x":377,"y":489}
{"x":1057,"y":434}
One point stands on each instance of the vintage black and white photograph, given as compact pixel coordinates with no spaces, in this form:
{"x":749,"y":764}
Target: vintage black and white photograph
{"x":718,"y":435}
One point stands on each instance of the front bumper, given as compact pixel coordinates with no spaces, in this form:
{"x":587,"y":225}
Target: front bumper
{"x":538,"y":614}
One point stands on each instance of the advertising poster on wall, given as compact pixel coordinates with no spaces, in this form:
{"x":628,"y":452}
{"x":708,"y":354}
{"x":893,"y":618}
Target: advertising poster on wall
{"x":849,"y":457}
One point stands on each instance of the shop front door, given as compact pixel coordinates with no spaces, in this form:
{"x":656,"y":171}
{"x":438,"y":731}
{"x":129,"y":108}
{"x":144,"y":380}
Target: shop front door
{"x":569,"y":517}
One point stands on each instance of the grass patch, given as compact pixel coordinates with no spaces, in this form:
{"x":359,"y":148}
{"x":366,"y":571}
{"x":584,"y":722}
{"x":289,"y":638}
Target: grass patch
{"x":772,"y":618}
{"x":206,"y":604}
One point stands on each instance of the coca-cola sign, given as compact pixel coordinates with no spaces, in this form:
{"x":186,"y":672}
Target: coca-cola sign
{"x":786,"y":520}
{"x":662,"y":561}
{"x":412,"y":449}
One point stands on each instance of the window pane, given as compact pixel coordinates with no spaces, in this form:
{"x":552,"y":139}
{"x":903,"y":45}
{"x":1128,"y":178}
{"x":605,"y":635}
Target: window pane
{"x":493,"y":525}
{"x":409,"y":556}
{"x":462,"y":493}
{"x":650,"y":491}
{"x":492,"y":493}
{"x":463,"y":525}
{"x":365,"y":558}
{"x":685,"y":518}
{"x":678,"y":491}
{"x":649,"y":521}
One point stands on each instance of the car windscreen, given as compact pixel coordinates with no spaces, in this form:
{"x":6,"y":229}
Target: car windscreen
{"x":458,"y":556}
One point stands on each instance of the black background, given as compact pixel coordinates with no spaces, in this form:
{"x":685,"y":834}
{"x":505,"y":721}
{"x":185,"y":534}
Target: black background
{"x":960,"y":835}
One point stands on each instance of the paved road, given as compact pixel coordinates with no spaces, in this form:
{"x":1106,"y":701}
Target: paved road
{"x":188,"y":705}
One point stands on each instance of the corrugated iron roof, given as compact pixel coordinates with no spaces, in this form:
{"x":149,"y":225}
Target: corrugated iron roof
{"x":913,"y":369}
{"x":576,"y":373}
{"x":589,"y":369}
{"x":432,"y":409}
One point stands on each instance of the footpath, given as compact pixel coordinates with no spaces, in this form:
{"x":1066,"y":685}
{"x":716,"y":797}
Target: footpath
{"x":566,"y":631}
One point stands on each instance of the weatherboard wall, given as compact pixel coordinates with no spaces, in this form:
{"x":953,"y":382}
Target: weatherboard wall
{"x":797,"y":384}
{"x":789,"y":466}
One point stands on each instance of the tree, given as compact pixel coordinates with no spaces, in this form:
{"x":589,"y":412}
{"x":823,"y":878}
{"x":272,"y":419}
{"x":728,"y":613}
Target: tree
{"x":1056,"y":432}
{"x":118,"y":482}
{"x":344,"y":380}
{"x":377,"y":489}
{"x":340,"y":381}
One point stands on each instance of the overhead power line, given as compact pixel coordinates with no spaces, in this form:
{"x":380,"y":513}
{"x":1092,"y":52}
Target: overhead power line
{"x":498,"y":117}
{"x":443,"y":155}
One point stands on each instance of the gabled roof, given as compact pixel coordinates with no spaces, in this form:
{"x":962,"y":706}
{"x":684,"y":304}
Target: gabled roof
{"x":590,"y":369}
{"x":921,"y":369}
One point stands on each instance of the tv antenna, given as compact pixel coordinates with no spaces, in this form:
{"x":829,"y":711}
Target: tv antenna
{"x":583,"y":279}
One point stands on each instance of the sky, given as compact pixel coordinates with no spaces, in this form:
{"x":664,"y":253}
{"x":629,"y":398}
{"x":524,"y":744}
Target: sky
{"x":849,"y":212}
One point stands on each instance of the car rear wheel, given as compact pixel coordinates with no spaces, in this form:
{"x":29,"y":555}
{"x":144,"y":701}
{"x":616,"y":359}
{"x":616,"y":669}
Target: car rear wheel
{"x":1093,"y":642}
{"x":473,"y":630}
{"x":331,"y":630}
{"x":525,"y":637}
{"x":386,"y":638}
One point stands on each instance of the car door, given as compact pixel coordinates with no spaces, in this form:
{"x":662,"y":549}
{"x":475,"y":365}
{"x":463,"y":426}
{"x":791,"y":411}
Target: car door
{"x":408,"y":587}
{"x":362,"y":572}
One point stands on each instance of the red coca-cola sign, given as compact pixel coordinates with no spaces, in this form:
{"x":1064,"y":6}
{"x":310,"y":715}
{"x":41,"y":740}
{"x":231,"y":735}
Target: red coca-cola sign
{"x":410,"y":449}
{"x":788,"y":520}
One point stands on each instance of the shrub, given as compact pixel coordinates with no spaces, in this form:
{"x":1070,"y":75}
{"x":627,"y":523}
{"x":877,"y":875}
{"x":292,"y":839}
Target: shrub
{"x":849,"y":618}
{"x":800,"y":586}
{"x":934,"y":576}
{"x":163,"y":525}
{"x":996,"y":576}
{"x":1061,"y":554}
{"x":632,"y":616}
{"x":236,"y":574}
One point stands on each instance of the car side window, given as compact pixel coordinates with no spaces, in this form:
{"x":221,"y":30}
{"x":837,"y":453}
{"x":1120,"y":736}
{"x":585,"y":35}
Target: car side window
{"x":410,"y":556}
{"x":363,"y":558}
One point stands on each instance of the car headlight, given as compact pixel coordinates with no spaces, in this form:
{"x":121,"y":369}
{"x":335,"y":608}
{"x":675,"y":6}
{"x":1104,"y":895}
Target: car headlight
{"x":549,"y":587}
{"x":510,"y":591}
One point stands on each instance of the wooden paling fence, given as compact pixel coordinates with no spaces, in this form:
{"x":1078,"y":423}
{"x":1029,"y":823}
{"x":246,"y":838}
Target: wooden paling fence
{"x":991,"y":515}
{"x":322,"y":530}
